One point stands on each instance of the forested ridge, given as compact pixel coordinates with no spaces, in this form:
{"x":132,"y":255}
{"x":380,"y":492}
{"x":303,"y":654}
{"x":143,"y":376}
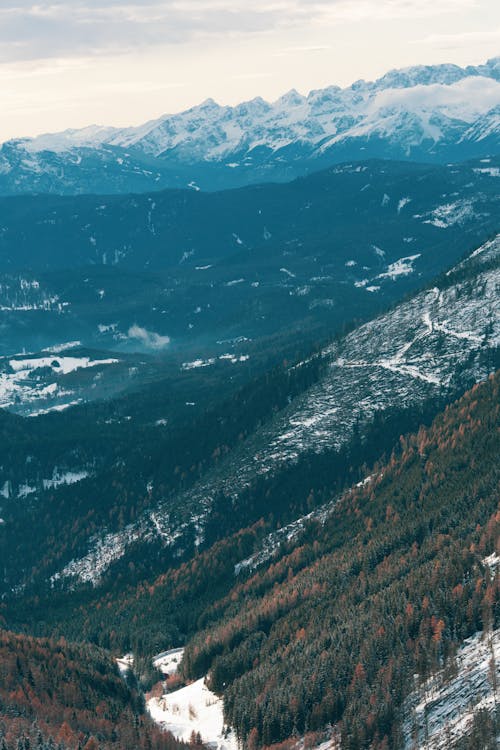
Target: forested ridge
{"x":54,"y":694}
{"x":121,"y":457}
{"x":334,"y":630}
{"x":334,"y":626}
{"x":135,"y":610}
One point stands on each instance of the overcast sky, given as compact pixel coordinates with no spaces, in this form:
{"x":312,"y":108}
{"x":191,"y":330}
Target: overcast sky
{"x":68,"y":63}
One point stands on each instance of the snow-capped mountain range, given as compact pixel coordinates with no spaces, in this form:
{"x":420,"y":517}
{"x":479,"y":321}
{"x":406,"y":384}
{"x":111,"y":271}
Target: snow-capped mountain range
{"x":424,"y":113}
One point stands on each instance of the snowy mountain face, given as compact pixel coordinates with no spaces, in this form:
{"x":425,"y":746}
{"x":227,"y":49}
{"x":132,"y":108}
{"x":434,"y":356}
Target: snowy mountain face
{"x":427,"y":113}
{"x":443,"y":709}
{"x":441,"y":340}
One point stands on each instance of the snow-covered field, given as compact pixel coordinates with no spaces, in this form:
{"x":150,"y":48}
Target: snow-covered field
{"x":193,"y":708}
{"x":37,"y":380}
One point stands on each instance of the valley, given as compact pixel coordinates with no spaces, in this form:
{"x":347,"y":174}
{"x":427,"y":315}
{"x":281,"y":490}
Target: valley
{"x":249,"y":424}
{"x":409,"y":356}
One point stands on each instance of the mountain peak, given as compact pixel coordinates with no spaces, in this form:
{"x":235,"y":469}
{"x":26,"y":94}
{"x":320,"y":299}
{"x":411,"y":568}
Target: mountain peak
{"x":292,"y":98}
{"x":205,"y":106}
{"x":422,"y":113}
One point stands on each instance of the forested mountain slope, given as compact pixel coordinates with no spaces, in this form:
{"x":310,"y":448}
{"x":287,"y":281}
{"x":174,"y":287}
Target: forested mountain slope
{"x":343,"y":621}
{"x":426,"y":349}
{"x":53,"y":692}
{"x":335,"y":629}
{"x":328,"y":622}
{"x":330,"y":213}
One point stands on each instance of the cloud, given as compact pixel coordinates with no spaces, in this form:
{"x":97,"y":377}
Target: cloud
{"x":466,"y":98}
{"x":461,"y":39}
{"x":47,"y":29}
{"x":150,"y":339}
{"x":93,"y":27}
{"x":301,"y":50}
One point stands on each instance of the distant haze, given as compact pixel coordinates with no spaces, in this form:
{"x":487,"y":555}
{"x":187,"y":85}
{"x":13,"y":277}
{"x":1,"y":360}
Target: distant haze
{"x":120,"y":62}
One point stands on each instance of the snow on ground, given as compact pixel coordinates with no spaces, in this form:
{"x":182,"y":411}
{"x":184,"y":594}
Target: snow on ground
{"x":103,"y":552}
{"x":405,"y":356}
{"x":450,"y":214}
{"x":58,"y":479}
{"x":193,"y":708}
{"x":168,"y":661}
{"x":228,"y":357}
{"x":402,"y":203}
{"x":62,"y":365}
{"x":401,"y":267}
{"x":66,"y":477}
{"x":491,"y":171}
{"x":197,"y":363}
{"x":125,"y":663}
{"x":442,"y":710}
{"x":56,"y":407}
{"x":492,"y":562}
{"x":271,"y":543}
{"x":62,"y":347}
{"x":22,"y":380}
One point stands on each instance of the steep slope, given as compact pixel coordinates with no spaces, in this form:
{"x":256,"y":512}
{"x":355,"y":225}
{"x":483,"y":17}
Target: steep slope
{"x":181,"y":270}
{"x":341,"y":622}
{"x":52,"y":691}
{"x":426,"y":349}
{"x":427,"y":113}
{"x":458,"y":703}
{"x":360,"y":619}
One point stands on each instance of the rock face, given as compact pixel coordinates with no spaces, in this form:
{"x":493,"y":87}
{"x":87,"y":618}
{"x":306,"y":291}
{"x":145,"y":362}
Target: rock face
{"x":428,"y":113}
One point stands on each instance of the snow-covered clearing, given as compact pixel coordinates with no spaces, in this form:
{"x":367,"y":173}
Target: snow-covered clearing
{"x":400,"y":267}
{"x":193,"y":708}
{"x":450,"y":214}
{"x":35,"y":378}
{"x":62,"y":365}
{"x":125,"y":663}
{"x":168,"y":661}
{"x":65,"y":477}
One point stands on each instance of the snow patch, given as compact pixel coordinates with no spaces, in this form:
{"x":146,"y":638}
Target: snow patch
{"x":402,"y":203}
{"x":168,"y":661}
{"x":442,"y":710}
{"x":401,"y":267}
{"x":450,"y":214}
{"x":193,"y":708}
